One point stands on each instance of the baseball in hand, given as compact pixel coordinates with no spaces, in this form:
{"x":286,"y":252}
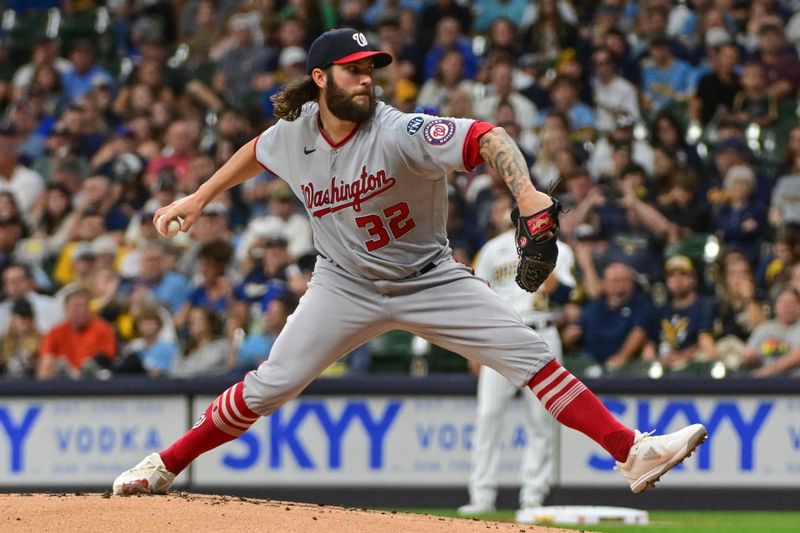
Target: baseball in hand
{"x":173,"y":226}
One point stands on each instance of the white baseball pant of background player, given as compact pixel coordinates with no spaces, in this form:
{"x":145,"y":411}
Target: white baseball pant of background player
{"x":496,"y":263}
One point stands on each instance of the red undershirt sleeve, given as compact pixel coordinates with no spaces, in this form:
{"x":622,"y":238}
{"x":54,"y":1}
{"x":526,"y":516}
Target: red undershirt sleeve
{"x":472,"y":155}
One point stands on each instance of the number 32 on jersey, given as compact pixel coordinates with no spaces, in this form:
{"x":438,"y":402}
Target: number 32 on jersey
{"x":396,"y":222}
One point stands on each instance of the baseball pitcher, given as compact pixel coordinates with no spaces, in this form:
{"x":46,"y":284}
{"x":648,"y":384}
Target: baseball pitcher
{"x":373,"y":182}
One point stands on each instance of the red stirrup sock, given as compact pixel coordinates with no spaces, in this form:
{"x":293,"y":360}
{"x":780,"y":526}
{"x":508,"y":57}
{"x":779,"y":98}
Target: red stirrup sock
{"x":574,"y":405}
{"x":224,"y":420}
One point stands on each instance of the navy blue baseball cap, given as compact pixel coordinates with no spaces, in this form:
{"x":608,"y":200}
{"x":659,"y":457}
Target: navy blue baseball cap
{"x":344,"y":45}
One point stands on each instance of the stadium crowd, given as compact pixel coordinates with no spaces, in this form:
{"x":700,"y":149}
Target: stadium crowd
{"x":669,"y":130}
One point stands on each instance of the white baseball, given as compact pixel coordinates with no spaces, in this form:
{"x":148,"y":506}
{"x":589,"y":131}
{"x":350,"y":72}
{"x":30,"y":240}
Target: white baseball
{"x":173,"y":226}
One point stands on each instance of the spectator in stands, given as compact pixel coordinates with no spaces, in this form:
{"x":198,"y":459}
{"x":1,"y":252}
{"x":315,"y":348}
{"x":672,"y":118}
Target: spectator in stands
{"x":667,"y":133}
{"x":686,"y":210}
{"x":774,"y":346}
{"x":601,"y":162}
{"x":564,"y":95}
{"x":213,"y":225}
{"x":741,"y":306}
{"x":20,"y":341}
{"x":613,"y":326}
{"x":781,"y":65}
{"x":18,"y":283}
{"x":214,"y":289}
{"x":205,"y":349}
{"x":430,"y":16}
{"x":85,"y":70}
{"x":730,"y":152}
{"x":785,"y":205}
{"x":245,"y":57}
{"x":625,"y":226}
{"x":665,"y":78}
{"x":12,"y":230}
{"x":753,"y":103}
{"x":27,"y":185}
{"x":79,"y":345}
{"x":167,"y":288}
{"x":255,"y":347}
{"x":553,"y":139}
{"x":552,"y":31}
{"x":613,"y":95}
{"x":180,"y":146}
{"x":686,"y":322}
{"x":89,"y":226}
{"x":449,"y":36}
{"x":45,"y":54}
{"x":449,"y":77}
{"x":148,"y":353}
{"x":740,"y":220}
{"x":717,"y":89}
{"x":500,"y":90}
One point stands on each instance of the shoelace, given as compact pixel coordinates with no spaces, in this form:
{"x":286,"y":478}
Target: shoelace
{"x":646,"y":434}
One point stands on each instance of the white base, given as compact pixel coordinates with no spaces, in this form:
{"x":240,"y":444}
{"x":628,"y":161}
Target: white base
{"x":582,"y":514}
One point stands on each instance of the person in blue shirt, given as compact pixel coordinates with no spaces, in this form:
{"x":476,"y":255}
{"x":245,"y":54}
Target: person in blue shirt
{"x":613,"y":328}
{"x":150,"y":352}
{"x":449,"y":37}
{"x":564,"y":95}
{"x":168,"y":288}
{"x":665,"y":79}
{"x":78,"y":81}
{"x":685,"y":323}
{"x":255,"y":348}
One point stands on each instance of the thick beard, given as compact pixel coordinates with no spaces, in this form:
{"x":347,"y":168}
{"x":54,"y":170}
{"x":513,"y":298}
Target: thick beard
{"x":344,"y":107}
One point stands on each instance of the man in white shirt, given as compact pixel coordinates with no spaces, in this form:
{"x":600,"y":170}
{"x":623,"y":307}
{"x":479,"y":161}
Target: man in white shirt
{"x":18,"y":283}
{"x":613,"y":94}
{"x":25,"y":184}
{"x":502,"y":90}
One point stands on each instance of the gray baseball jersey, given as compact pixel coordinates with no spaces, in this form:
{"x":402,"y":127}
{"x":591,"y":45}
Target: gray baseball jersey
{"x":378,"y":206}
{"x":377,"y":200}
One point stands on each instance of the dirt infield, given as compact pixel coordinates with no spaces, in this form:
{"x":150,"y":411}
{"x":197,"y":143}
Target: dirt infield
{"x":194,"y":513}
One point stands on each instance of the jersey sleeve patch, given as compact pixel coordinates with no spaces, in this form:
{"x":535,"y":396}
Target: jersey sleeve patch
{"x":439,"y":131}
{"x":414,"y":125}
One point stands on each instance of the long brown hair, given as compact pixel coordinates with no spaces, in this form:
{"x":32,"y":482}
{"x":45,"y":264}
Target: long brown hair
{"x":289,"y":102}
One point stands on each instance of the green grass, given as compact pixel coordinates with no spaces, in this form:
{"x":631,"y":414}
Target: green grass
{"x":677,"y":521}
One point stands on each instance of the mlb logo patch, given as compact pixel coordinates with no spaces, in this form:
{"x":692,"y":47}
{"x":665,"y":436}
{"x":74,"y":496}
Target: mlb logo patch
{"x":439,"y":131}
{"x":414,"y":125}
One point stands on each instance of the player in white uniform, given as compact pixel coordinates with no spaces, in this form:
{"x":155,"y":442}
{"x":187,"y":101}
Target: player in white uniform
{"x":497,"y":264}
{"x":373,"y":182}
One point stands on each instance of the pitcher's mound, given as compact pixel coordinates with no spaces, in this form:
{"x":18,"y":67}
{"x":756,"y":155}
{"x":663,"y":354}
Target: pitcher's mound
{"x":195,"y":513}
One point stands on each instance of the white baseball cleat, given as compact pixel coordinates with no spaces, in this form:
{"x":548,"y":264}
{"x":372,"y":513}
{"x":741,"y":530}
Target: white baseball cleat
{"x":473,"y":508}
{"x":651,"y":457}
{"x":150,"y":476}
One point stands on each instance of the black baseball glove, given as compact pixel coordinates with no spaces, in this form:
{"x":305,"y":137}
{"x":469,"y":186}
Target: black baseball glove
{"x":536,"y":245}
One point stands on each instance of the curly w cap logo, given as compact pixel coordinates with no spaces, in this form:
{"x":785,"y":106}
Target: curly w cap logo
{"x":360,"y":39}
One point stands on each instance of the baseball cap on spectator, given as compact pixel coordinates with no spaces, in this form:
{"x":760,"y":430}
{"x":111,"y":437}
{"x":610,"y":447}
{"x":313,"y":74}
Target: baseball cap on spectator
{"x":105,"y":245}
{"x":215,"y":209}
{"x":344,"y":45}
{"x":624,"y":120}
{"x":733,"y":144}
{"x":84,"y":250}
{"x":127,"y":167}
{"x":679,"y":263}
{"x":292,"y":55}
{"x":22,"y":307}
{"x":716,"y":37}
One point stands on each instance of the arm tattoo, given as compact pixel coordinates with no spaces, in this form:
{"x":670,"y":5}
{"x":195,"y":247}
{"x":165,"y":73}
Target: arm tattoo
{"x":503,"y":155}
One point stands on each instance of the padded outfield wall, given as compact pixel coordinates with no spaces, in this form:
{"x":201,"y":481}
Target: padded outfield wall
{"x":367,"y":441}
